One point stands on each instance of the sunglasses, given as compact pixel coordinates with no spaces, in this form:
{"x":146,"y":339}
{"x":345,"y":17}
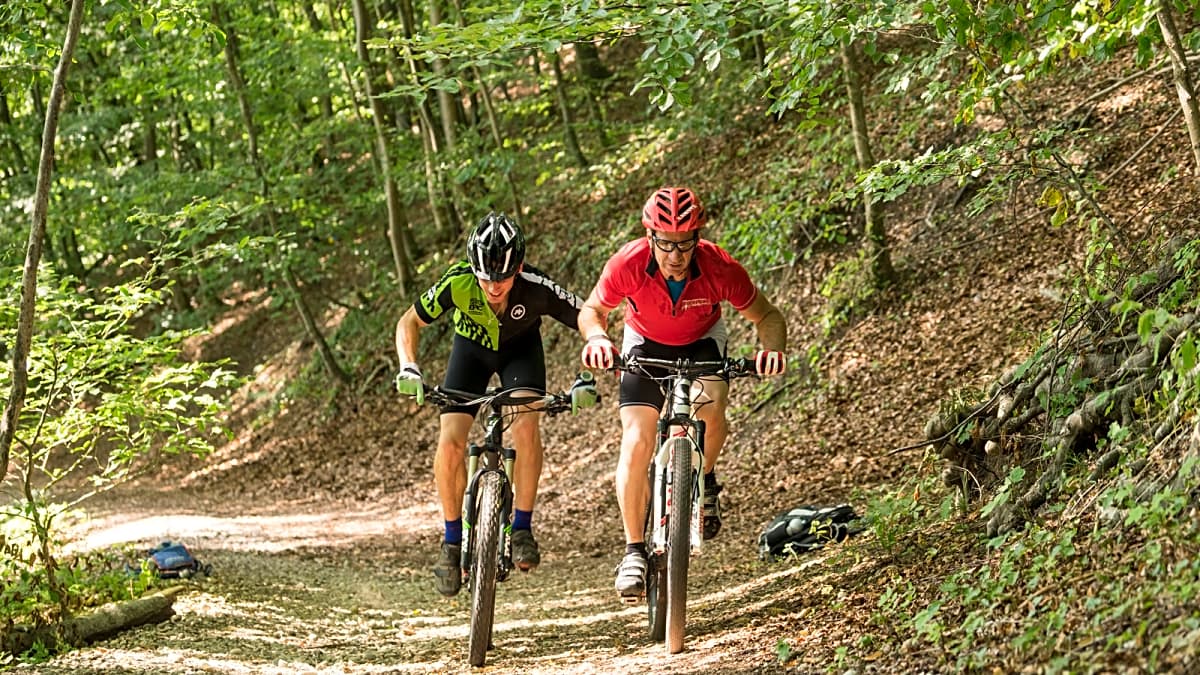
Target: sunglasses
{"x":666,"y":245}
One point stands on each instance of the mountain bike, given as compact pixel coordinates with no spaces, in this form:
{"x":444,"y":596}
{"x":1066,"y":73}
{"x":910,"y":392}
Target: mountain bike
{"x":673,"y":516}
{"x":488,"y":501}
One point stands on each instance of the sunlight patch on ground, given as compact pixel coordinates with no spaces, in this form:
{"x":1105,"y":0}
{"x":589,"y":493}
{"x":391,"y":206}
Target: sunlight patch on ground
{"x":209,"y":605}
{"x":1131,"y":96}
{"x":232,"y":449}
{"x":170,"y":661}
{"x":568,"y":601}
{"x":733,"y":593}
{"x":457,"y":629}
{"x":244,"y":305}
{"x":267,"y":533}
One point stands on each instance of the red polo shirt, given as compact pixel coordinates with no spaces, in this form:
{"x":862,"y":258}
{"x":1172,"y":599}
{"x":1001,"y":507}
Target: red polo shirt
{"x":632,"y":274}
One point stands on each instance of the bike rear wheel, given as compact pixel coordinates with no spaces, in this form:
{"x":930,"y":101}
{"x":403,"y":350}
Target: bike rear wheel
{"x":485,"y":565}
{"x":679,"y":549}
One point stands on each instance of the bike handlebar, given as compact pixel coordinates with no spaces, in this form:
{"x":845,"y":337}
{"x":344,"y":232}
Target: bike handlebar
{"x":552,"y":403}
{"x":732,"y":368}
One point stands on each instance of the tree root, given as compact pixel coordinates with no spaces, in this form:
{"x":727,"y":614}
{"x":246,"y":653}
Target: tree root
{"x":1081,"y":385}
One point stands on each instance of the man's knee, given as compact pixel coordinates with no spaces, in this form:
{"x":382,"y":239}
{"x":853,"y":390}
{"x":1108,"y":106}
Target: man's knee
{"x":525,"y":427}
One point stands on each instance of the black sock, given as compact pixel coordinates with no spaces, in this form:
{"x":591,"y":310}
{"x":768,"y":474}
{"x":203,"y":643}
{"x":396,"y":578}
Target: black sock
{"x":710,"y":481}
{"x":638,"y":548}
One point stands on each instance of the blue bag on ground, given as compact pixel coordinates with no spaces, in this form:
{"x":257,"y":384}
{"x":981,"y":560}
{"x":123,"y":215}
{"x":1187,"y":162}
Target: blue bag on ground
{"x":805,"y":528}
{"x":173,"y":561}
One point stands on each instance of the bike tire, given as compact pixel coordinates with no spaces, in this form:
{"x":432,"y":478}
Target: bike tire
{"x":485,"y":565}
{"x":656,"y":579}
{"x":679,"y":548}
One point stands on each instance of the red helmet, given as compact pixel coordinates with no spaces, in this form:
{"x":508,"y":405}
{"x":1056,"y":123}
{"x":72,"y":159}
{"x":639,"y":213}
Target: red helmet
{"x":674,"y":210}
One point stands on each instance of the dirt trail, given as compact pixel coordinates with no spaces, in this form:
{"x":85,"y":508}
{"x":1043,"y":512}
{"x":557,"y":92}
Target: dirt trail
{"x":312,"y":587}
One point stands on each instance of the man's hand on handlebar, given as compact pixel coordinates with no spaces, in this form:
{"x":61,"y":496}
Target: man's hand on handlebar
{"x":598,"y":353}
{"x":769,"y":362}
{"x":410,"y":383}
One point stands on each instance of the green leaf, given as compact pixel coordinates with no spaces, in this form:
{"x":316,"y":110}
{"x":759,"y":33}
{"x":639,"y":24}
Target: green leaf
{"x":1061,"y":212}
{"x":1187,"y":354}
{"x":783,"y":651}
{"x":1051,"y":196}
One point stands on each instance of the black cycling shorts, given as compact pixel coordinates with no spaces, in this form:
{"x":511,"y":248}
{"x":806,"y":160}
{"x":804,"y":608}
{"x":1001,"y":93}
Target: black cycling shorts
{"x":521,"y":362}
{"x":640,"y":390}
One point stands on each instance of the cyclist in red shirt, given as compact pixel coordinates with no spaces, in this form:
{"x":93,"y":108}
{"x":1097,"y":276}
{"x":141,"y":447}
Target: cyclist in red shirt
{"x":673,"y":283}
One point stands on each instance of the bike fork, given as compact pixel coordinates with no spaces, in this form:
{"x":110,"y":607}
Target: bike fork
{"x":696,"y":536}
{"x":502,"y":462}
{"x":508,"y":456}
{"x":659,"y":491}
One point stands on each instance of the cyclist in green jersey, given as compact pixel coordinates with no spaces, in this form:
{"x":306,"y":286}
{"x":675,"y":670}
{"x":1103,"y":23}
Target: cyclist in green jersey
{"x":498,"y":301}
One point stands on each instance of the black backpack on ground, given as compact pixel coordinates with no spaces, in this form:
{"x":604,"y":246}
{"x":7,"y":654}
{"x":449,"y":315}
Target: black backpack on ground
{"x":805,"y":528}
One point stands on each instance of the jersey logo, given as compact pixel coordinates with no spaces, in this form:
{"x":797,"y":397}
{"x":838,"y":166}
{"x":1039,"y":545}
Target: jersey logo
{"x":476,"y":305}
{"x":695,"y":302}
{"x":517,"y":311}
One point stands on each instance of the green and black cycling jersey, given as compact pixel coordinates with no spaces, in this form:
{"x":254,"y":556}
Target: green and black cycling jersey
{"x":533,"y":296}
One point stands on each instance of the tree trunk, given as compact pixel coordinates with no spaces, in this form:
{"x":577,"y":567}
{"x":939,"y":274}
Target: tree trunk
{"x":594,"y":90}
{"x":588,"y":59}
{"x":239,"y":88}
{"x":1183,"y":78}
{"x":306,"y":316}
{"x":19,"y":161}
{"x":490,"y":112}
{"x":36,"y":90}
{"x":881,"y":259}
{"x":310,"y":324}
{"x":69,"y":252}
{"x":190,"y":154}
{"x":564,"y":110}
{"x":401,"y":257}
{"x":150,"y":142}
{"x":428,"y":139}
{"x":324,"y":100}
{"x":447,"y":104}
{"x":494,"y":125}
{"x":33,"y":251}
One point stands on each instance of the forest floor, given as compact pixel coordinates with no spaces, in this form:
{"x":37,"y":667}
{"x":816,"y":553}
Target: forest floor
{"x":320,"y":520}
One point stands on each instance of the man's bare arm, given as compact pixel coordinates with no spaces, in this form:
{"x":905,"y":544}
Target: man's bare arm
{"x":768,"y":323}
{"x":593,"y":317}
{"x":408,"y":330}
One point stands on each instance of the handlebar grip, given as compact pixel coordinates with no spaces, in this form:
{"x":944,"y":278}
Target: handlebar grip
{"x":744,"y":366}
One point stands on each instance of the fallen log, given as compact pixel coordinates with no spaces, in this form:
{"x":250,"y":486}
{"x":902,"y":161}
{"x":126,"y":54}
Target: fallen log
{"x":99,"y":624}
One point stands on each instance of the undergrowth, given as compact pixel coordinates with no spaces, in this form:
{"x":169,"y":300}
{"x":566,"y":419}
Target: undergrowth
{"x":89,"y":580}
{"x":1105,"y":575}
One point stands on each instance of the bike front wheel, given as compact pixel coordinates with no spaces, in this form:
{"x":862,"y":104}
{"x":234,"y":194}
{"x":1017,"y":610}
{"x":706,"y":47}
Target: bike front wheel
{"x":485,"y":565}
{"x":656,"y":575}
{"x":679,"y":547}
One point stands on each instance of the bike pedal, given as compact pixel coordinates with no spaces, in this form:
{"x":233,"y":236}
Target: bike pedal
{"x":633,"y":599}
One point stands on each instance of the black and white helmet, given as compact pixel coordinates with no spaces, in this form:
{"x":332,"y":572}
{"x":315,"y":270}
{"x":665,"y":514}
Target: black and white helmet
{"x":496,"y":248}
